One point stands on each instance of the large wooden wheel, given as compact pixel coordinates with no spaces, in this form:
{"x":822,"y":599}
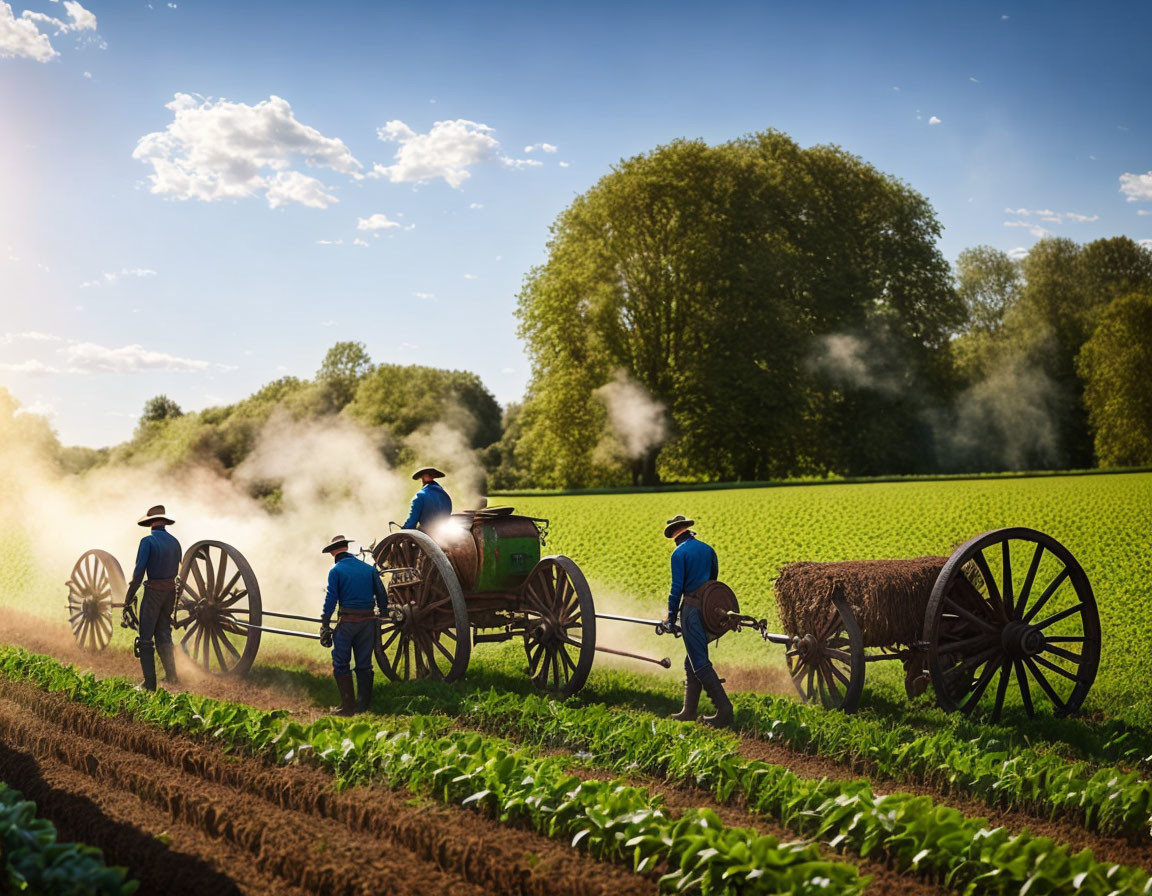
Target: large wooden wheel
{"x":425,"y":634}
{"x":1012,"y":603}
{"x":220,"y":599}
{"x":560,"y":630}
{"x":95,"y":586}
{"x":827,"y":666}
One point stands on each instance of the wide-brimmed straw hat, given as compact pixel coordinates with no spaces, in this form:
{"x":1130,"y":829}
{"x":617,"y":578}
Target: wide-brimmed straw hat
{"x":676,"y":523}
{"x":436,"y":474}
{"x":155,"y":514}
{"x":338,"y":541}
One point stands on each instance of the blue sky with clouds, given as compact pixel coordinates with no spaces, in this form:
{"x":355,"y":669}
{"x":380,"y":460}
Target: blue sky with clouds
{"x":197,"y":198}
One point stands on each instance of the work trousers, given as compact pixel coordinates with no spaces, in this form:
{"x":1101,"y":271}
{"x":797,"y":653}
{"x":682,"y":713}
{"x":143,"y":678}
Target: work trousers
{"x":353,"y":639}
{"x":156,"y":617}
{"x":695,"y":638}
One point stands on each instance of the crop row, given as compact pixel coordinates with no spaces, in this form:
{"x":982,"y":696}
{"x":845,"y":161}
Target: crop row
{"x":609,"y":820}
{"x":913,"y":832}
{"x":1107,"y":799}
{"x":32,"y":860}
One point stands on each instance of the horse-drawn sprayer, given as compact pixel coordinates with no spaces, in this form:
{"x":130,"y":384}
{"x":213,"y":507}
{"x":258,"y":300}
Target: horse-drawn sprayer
{"x":1008,"y":609}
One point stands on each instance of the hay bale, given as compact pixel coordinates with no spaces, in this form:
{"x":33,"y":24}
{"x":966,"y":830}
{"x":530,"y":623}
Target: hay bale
{"x":888,"y":597}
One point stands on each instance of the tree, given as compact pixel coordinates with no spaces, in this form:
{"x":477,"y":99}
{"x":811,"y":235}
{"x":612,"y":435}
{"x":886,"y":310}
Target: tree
{"x":345,"y":364}
{"x":710,"y":275}
{"x":1115,"y":364}
{"x":159,"y":409}
{"x":988,"y":283}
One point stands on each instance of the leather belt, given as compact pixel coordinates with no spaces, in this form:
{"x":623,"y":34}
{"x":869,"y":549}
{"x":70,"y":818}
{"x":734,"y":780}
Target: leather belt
{"x":692,"y":599}
{"x":355,"y":616}
{"x":161,"y":584}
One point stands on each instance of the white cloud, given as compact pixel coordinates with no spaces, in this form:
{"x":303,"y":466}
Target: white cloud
{"x":446,"y":152}
{"x":39,"y":408}
{"x":1147,"y":244}
{"x":111,"y":277}
{"x":22,"y":38}
{"x":933,"y":120}
{"x":424,"y":296}
{"x":1017,"y":253}
{"x":471,"y":277}
{"x":329,"y":242}
{"x":89,"y":358}
{"x":1046,"y":214}
{"x":508,"y":370}
{"x":215,"y":149}
{"x":544,"y":147}
{"x":475,"y":205}
{"x":327,"y":323}
{"x":1144,"y":211}
{"x":1137,"y":187}
{"x":29,"y":336}
{"x":88,"y":75}
{"x":563,"y":164}
{"x":32,"y":368}
{"x":973,"y":80}
{"x":1035,"y":229}
{"x":378,"y":221}
{"x":359,"y":242}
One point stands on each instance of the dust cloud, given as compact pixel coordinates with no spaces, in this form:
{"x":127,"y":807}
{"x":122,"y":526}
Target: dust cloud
{"x":637,"y":421}
{"x":332,"y":475}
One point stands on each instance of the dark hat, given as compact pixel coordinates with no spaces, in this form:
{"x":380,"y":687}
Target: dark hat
{"x":155,"y":514}
{"x":676,"y":523}
{"x":338,"y":541}
{"x":436,"y":474}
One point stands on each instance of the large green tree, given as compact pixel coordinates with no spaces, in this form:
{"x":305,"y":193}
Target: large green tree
{"x":1115,"y":364}
{"x":714,"y":277}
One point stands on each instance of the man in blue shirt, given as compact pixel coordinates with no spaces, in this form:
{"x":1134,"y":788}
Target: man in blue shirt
{"x":159,"y":557}
{"x":431,"y":502}
{"x":355,"y":587}
{"x":693,"y":564}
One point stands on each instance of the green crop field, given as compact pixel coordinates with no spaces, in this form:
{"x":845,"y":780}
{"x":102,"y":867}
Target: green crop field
{"x":1105,"y":520}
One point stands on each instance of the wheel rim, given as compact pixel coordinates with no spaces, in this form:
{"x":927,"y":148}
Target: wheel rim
{"x":827,"y":666}
{"x":95,"y":583}
{"x":430,"y":636}
{"x":220,"y":599}
{"x":1014,"y":606}
{"x":560,"y":630}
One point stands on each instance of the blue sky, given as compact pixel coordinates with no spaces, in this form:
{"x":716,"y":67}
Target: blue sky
{"x":197,"y":198}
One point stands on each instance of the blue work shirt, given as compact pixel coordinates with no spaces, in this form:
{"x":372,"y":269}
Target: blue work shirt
{"x":158,"y":555}
{"x":693,"y":564}
{"x":353,"y":584}
{"x":430,"y":504}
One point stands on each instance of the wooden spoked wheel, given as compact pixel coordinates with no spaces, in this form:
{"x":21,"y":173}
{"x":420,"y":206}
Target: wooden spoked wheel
{"x":827,"y":666}
{"x":220,"y":600}
{"x":560,"y":628}
{"x":1012,"y":605}
{"x":94,"y":587}
{"x":425,"y":633}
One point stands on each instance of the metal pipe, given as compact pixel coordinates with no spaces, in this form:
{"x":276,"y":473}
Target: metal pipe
{"x":664,"y":661}
{"x":629,"y":619}
{"x":276,"y":631}
{"x":315,"y":619}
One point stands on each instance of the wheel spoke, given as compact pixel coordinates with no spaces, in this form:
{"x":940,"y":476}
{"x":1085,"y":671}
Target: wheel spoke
{"x":1047,"y":664}
{"x":1063,"y":654}
{"x":1048,"y":592}
{"x":1006,"y":578}
{"x":1025,"y":691}
{"x":974,"y":660}
{"x":1063,"y":614}
{"x":990,"y":583}
{"x":1045,"y":685}
{"x":220,"y":573}
{"x":981,"y":686}
{"x":1022,"y":599}
{"x":966,"y":644}
{"x":217,"y":637}
{"x":228,"y":643}
{"x":971,"y":617}
{"x":1001,"y":690}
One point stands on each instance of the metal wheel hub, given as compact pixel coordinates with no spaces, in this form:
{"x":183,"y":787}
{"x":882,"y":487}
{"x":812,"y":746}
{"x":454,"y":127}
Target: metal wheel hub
{"x":545,"y":631}
{"x":807,"y":647}
{"x":1021,"y":640}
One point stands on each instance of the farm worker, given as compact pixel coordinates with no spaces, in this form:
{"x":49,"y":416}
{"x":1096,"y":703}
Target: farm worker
{"x":159,"y":557}
{"x":431,"y":502}
{"x":693,"y":564}
{"x":355,"y":587}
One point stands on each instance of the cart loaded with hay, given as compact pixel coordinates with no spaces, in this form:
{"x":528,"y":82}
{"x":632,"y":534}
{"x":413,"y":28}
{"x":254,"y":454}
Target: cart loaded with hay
{"x":1009,"y":610}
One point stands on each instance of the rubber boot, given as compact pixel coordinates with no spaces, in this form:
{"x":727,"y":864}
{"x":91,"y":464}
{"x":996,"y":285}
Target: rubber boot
{"x":715,"y":690}
{"x":364,"y":689}
{"x":347,"y":696}
{"x":168,"y":661}
{"x":148,"y":667}
{"x":691,"y":696}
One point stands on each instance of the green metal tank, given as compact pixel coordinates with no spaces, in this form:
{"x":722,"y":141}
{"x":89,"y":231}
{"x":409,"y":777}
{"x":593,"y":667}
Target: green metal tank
{"x":499,"y":555}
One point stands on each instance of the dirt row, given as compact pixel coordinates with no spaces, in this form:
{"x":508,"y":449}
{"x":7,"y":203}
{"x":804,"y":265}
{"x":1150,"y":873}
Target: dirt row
{"x":1065,"y":830}
{"x":184,"y":816}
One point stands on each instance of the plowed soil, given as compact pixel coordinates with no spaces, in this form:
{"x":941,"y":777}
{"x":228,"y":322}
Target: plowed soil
{"x":185,"y":817}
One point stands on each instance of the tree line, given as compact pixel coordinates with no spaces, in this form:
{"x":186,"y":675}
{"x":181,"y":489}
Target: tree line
{"x":749,"y":311}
